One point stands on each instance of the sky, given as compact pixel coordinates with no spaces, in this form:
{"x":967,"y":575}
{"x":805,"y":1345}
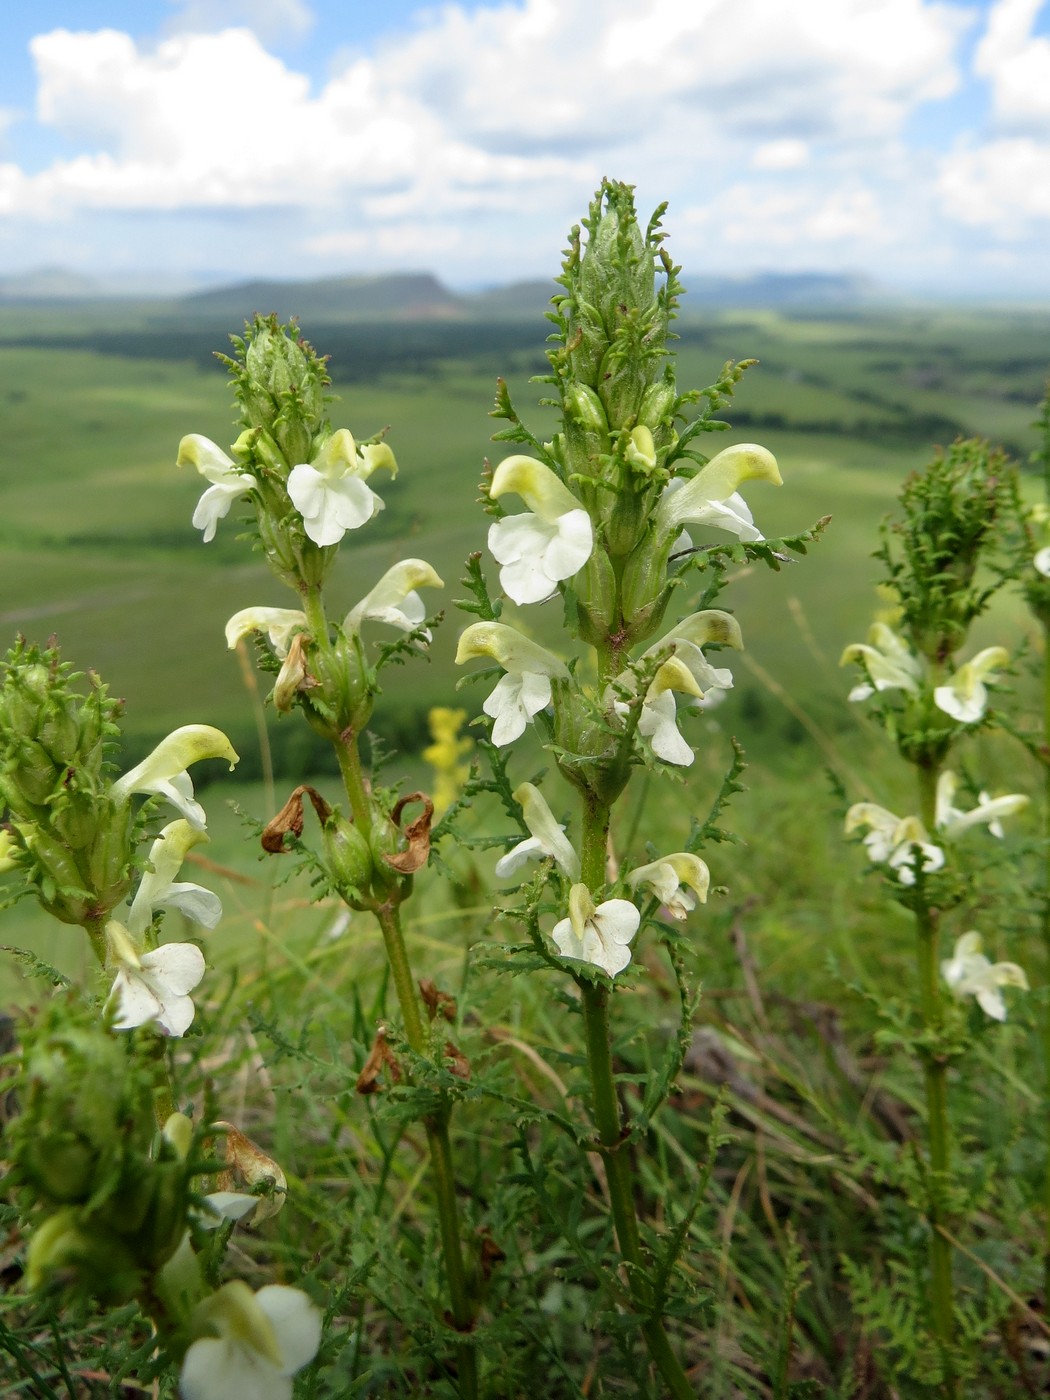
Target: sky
{"x":220,"y":140}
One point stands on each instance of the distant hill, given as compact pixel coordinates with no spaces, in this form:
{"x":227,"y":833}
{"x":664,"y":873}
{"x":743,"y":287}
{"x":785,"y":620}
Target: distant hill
{"x":48,"y":284}
{"x":409,"y":296}
{"x":420,"y":296}
{"x":530,"y":299}
{"x":770,"y":290}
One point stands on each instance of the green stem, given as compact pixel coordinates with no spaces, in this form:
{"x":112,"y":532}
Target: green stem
{"x":404,"y":984}
{"x":316,"y":617}
{"x":618,"y":1169}
{"x":438,"y":1141}
{"x":462,"y":1309}
{"x":354,"y":782}
{"x":936,"y":1083}
{"x":440,"y":1147}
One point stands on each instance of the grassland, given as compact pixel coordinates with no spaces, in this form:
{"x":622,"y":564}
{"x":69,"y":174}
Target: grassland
{"x":94,"y":518}
{"x":96,"y":545}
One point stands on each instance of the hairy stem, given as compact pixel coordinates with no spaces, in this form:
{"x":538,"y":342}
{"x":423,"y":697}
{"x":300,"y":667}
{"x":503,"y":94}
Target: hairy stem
{"x":619,"y":1172}
{"x":936,"y":1081}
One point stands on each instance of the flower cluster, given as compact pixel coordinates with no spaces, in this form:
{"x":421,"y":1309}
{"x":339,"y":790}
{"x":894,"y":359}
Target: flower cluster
{"x":74,"y":831}
{"x":889,"y":664}
{"x":904,"y":844}
{"x":305,"y":483}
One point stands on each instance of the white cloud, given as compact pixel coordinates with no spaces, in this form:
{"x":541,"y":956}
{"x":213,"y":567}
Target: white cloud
{"x":806,"y":217}
{"x":1003,"y":185}
{"x":785,"y":154}
{"x":779,"y":130}
{"x":1017,"y":65}
{"x":517,"y":78}
{"x":214,"y":120}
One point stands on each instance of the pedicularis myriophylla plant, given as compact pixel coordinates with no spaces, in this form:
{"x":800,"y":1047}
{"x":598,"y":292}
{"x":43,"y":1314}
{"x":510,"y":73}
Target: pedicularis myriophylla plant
{"x":933,"y":692}
{"x":596,"y":613}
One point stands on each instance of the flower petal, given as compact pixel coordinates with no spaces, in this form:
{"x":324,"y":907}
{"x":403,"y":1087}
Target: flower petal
{"x":296,"y":1323}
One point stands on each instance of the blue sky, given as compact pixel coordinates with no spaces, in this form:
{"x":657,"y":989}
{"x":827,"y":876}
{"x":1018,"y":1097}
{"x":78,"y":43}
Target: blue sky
{"x":908,"y":140}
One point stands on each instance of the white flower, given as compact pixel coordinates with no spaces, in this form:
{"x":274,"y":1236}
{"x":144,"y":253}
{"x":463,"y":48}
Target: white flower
{"x":694,"y":632}
{"x":899,"y":842}
{"x":525,"y":689}
{"x":970,"y":974}
{"x":551,"y":542}
{"x":164,"y":770}
{"x":394,"y":599}
{"x":330,"y":492}
{"x":547,"y":839}
{"x":965,"y":697}
{"x":279,"y":624}
{"x":659,"y":724}
{"x":153,"y":987}
{"x":952,"y":822}
{"x":678,"y":881}
{"x":888,"y":662}
{"x":658,"y":719}
{"x":262,"y":1340}
{"x":687,"y":671}
{"x":600,"y":936}
{"x":158,"y":890}
{"x":711,"y":496}
{"x":1041,"y":561}
{"x":227,"y":482}
{"x":287,"y":631}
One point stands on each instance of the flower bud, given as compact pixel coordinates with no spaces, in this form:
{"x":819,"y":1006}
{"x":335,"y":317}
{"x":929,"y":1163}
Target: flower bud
{"x":595,"y":587}
{"x":623,"y":381}
{"x":67,"y":1135}
{"x":586,"y":436}
{"x":644,"y":585}
{"x":385,"y":840}
{"x":281,"y":387}
{"x":33,"y":777}
{"x":344,"y":688}
{"x":59,"y":880}
{"x":109,"y":861}
{"x":348,"y":858}
{"x":657,"y":405}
